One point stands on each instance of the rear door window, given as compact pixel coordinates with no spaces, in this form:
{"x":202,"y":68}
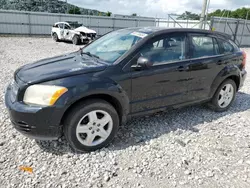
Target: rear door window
{"x":203,"y":46}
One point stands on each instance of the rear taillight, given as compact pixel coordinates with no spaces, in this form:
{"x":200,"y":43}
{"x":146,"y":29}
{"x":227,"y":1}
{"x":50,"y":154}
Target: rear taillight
{"x":244,"y":59}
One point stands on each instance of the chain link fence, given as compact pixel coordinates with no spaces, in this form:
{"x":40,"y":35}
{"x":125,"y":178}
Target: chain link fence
{"x":40,"y":23}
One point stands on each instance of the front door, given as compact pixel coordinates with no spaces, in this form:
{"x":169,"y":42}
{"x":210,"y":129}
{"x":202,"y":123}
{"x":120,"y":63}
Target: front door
{"x":166,"y":82}
{"x":59,"y":31}
{"x":67,"y":34}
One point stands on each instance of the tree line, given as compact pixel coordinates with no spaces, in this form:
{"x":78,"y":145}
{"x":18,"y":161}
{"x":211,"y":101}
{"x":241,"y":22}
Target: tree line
{"x":240,"y":13}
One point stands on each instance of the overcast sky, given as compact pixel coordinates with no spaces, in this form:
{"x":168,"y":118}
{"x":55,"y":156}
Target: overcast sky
{"x":159,"y":8}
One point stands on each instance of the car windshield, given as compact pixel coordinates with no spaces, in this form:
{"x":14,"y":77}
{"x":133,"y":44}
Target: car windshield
{"x":113,"y":45}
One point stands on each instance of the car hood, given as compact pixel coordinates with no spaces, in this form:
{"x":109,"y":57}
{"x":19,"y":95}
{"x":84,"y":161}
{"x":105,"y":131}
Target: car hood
{"x":84,"y":29}
{"x":59,"y":67}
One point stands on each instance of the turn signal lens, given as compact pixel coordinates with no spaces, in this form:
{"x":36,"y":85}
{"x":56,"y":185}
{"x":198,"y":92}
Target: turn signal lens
{"x":57,"y":95}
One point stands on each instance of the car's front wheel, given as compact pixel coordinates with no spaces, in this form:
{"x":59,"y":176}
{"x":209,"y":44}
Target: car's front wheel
{"x":91,"y":125}
{"x":55,"y":37}
{"x":224,"y":96}
{"x":76,"y":40}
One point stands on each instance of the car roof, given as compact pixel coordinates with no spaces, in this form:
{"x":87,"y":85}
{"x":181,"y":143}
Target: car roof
{"x":159,"y":30}
{"x":61,"y":23}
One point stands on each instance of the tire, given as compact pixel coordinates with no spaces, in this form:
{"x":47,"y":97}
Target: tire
{"x":86,"y":41}
{"x":55,"y":37}
{"x":229,"y":97}
{"x":76,"y":40}
{"x":79,"y":127}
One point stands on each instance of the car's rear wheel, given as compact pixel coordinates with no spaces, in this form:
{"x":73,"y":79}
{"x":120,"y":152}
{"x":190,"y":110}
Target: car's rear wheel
{"x":224,"y":96}
{"x":91,"y":125}
{"x":55,"y":37}
{"x":76,"y":40}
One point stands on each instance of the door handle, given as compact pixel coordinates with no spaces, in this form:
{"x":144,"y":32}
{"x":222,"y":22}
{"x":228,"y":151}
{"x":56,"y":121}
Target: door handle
{"x":182,"y":68}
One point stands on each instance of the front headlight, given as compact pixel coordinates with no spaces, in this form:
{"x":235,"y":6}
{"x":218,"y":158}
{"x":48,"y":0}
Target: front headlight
{"x":43,"y":94}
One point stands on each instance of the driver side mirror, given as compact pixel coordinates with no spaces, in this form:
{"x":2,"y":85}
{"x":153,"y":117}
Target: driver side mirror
{"x":142,"y":63}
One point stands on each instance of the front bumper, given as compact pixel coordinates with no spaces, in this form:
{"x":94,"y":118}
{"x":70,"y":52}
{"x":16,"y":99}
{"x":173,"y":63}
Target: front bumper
{"x":89,"y":37}
{"x":42,"y":123}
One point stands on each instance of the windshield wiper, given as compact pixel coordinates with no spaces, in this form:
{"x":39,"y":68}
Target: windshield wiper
{"x":91,"y":55}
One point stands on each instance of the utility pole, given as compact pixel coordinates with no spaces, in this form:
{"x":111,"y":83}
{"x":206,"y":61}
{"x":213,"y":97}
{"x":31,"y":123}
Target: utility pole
{"x":204,"y":8}
{"x":206,"y":16}
{"x":67,"y":6}
{"x":247,"y":15}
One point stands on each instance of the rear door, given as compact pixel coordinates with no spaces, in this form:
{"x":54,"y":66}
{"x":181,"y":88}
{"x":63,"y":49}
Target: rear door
{"x":205,"y":57}
{"x":167,"y":81}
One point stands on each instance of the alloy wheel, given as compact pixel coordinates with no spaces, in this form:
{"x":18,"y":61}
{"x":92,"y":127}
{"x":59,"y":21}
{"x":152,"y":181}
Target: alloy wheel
{"x":226,"y":95}
{"x":55,"y":38}
{"x":94,"y":128}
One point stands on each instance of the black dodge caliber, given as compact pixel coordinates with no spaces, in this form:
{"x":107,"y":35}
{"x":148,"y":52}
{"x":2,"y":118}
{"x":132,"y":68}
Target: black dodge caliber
{"x":88,"y":94}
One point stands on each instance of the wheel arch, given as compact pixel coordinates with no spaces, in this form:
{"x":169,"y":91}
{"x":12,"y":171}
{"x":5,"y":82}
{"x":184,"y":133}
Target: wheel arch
{"x":108,"y":98}
{"x":236,"y":79}
{"x":225,"y":74}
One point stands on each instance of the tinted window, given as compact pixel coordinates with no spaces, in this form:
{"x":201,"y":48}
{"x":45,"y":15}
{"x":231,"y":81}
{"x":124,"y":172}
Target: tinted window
{"x":60,"y":25}
{"x":236,"y":48}
{"x":66,"y":26}
{"x":202,"y":46}
{"x":158,"y":44}
{"x":167,"y":49}
{"x":216,"y":47}
{"x":227,"y":47}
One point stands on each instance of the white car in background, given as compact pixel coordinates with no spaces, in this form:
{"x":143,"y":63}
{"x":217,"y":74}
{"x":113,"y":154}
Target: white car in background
{"x":62,"y":31}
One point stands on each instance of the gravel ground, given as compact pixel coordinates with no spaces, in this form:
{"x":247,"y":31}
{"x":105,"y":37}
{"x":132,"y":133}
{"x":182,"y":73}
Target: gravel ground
{"x":190,"y":147}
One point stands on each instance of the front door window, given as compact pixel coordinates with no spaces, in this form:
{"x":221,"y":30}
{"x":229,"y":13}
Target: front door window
{"x":165,"y":50}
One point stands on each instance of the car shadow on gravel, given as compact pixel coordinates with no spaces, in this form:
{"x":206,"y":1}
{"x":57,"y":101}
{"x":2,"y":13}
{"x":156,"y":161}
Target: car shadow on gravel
{"x":138,"y":131}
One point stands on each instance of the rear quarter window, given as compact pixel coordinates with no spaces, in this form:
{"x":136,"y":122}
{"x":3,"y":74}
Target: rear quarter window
{"x":236,"y":48}
{"x":228,"y":47}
